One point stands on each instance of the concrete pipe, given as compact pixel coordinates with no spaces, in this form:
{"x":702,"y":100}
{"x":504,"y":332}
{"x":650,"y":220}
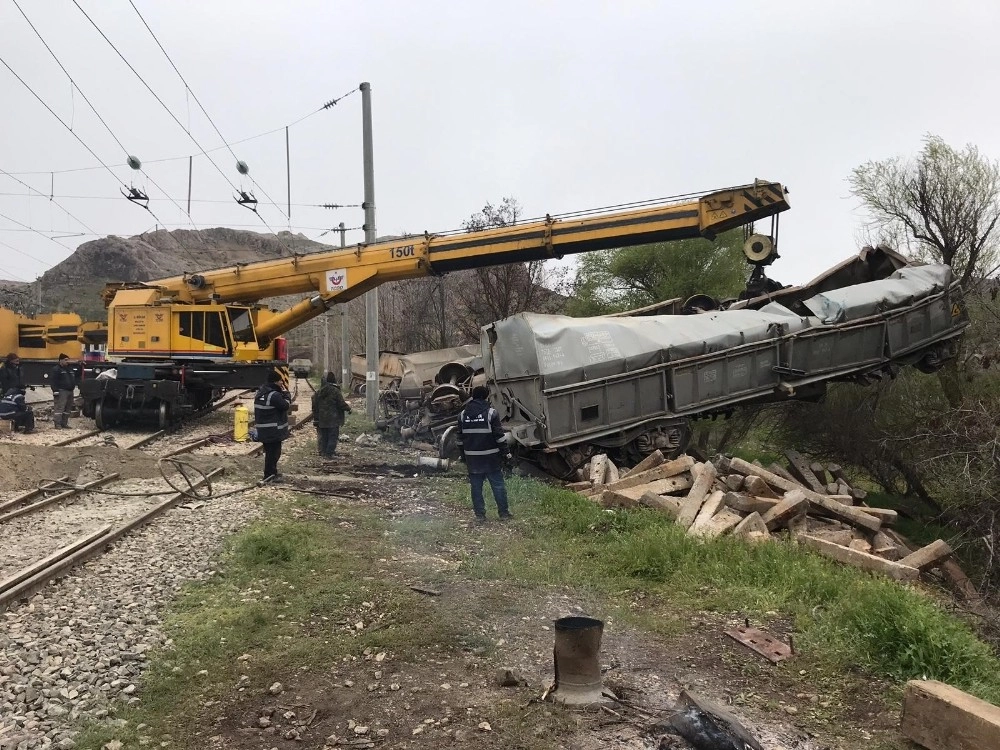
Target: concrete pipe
{"x":432,"y":462}
{"x":577,"y":661}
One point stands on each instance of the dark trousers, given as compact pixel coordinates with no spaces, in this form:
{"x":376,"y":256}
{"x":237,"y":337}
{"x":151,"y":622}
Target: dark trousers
{"x":499,"y":492}
{"x":62,"y":407}
{"x":272,"y":452}
{"x":327,"y":439}
{"x":25,"y":419}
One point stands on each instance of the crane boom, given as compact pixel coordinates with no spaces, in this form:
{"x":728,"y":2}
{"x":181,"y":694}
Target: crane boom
{"x":340,"y":275}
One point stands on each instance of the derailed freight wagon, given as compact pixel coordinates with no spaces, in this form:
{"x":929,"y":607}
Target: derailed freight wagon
{"x":567,"y":387}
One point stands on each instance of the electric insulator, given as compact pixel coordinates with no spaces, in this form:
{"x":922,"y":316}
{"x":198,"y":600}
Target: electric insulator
{"x":134,"y":162}
{"x":242,"y":168}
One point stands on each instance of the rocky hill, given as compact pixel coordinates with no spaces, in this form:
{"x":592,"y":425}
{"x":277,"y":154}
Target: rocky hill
{"x":74,"y":285}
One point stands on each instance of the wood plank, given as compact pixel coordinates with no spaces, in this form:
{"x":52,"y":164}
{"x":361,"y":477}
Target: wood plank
{"x":671,"y":506}
{"x":853,"y":516}
{"x":711,"y":506}
{"x":721,"y":522}
{"x":884,"y":546}
{"x":752,"y":524}
{"x":798,"y":465}
{"x":941,"y":717}
{"x":663,"y":471}
{"x":886,"y":515}
{"x":611,"y":473}
{"x":696,"y":496}
{"x":748,"y":504}
{"x":756,"y":486}
{"x":578,"y":486}
{"x":798,"y":524}
{"x":861,"y":545}
{"x":780,"y":471}
{"x":954,"y":573}
{"x":819,"y":471}
{"x":733,"y":482}
{"x":858,"y":494}
{"x":651,"y":461}
{"x":929,"y":556}
{"x":790,"y":506}
{"x":860,"y":559}
{"x":842,"y":537}
{"x":598,"y":468}
{"x":843,"y":488}
{"x":659,"y":487}
{"x":837,"y":472}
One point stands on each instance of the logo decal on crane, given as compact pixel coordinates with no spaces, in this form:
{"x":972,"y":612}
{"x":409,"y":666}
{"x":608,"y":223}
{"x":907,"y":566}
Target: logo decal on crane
{"x":336,"y":280}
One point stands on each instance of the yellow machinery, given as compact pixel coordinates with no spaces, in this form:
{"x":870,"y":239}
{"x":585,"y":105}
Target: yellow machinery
{"x":340,"y":275}
{"x":177,"y":343}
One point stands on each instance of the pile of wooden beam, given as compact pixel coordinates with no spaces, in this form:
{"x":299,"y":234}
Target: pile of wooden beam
{"x":814,"y":503}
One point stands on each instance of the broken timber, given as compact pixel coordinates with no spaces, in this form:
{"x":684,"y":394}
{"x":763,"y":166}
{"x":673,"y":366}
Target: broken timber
{"x":941,"y":717}
{"x":852,"y":515}
{"x":861,"y":559}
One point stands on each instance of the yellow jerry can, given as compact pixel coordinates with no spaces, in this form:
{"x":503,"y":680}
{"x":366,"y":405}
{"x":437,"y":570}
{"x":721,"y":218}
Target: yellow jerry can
{"x":241,"y":423}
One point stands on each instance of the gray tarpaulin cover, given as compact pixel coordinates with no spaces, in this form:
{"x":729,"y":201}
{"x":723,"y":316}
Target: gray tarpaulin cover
{"x":567,"y":351}
{"x":905,"y":286}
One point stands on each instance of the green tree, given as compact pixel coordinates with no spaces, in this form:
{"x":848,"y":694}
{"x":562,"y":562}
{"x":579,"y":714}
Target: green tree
{"x":614,"y":280}
{"x":944,"y":204}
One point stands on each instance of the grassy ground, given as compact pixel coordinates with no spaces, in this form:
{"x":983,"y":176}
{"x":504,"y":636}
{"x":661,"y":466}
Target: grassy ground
{"x":294,"y":587}
{"x":843,"y":616}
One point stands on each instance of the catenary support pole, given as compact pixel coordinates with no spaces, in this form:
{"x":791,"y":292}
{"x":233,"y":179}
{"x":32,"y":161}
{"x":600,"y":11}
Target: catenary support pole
{"x":371,"y":298}
{"x":345,"y":331}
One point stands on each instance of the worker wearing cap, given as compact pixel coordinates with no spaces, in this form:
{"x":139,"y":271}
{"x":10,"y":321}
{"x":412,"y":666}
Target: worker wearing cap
{"x":270,"y":411}
{"x":63,"y":382}
{"x":10,"y":374}
{"x":483,"y":445}
{"x":329,"y":411}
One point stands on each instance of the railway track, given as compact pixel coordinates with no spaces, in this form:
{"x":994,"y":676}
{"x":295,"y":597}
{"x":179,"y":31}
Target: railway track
{"x":75,"y":521}
{"x":126,"y":437}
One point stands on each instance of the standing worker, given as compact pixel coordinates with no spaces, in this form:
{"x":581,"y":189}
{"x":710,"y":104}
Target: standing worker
{"x":63,"y":382}
{"x":10,"y":374}
{"x":14,"y":406}
{"x":329,"y":409}
{"x":270,"y":411}
{"x":483,"y":445}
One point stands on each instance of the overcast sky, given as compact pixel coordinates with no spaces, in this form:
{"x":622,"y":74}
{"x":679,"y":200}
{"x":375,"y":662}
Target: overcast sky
{"x":563,"y":105}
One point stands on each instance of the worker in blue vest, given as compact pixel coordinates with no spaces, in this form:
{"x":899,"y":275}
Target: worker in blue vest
{"x":270,"y":411}
{"x":14,"y":406}
{"x":484,"y":448}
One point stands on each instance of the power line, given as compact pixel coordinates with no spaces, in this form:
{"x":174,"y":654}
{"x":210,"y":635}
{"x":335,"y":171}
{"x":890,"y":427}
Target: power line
{"x":94,"y":110}
{"x":193,"y":200}
{"x":165,"y":107}
{"x":63,"y":123}
{"x":185,"y":157}
{"x":198,"y":101}
{"x":51,"y":198}
{"x":21,"y":252}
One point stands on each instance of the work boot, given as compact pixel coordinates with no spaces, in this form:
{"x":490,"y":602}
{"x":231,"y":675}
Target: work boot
{"x":480,"y":520}
{"x":506,"y":516}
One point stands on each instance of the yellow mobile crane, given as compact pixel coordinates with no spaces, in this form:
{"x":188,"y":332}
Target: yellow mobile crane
{"x":175,"y":343}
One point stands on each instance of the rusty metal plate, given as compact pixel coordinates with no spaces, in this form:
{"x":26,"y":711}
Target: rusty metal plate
{"x":762,"y":642}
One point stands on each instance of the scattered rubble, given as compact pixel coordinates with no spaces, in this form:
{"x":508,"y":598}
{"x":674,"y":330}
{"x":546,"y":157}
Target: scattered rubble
{"x":814,"y":503}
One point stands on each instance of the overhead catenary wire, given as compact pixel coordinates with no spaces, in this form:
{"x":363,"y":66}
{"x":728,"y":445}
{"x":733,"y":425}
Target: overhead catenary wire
{"x":97,"y":114}
{"x":51,"y":198}
{"x":118,"y":197}
{"x":165,"y":107}
{"x":197,"y":101}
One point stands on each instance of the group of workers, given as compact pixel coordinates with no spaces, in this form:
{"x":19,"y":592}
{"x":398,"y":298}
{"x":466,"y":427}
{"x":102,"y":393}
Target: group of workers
{"x":14,"y":405}
{"x":482,"y":441}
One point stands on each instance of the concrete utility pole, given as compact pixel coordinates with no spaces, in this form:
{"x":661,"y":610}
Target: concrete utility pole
{"x":345,"y":331}
{"x":371,"y":298}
